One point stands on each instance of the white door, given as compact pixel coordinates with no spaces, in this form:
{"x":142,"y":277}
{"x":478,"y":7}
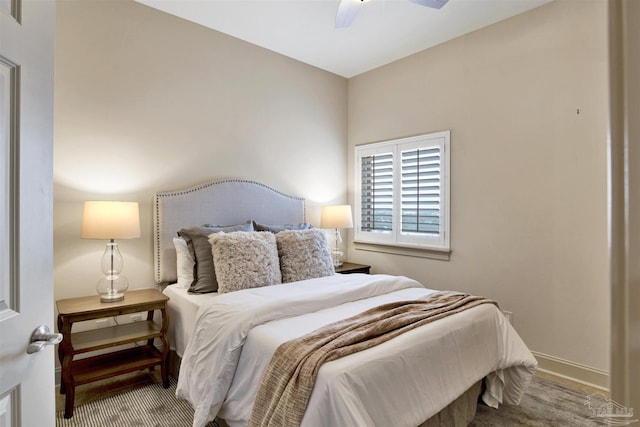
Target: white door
{"x":27,"y":391}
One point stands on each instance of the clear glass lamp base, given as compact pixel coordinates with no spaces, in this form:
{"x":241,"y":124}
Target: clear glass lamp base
{"x":116,"y":296}
{"x":111,"y":288}
{"x":112,"y":285}
{"x":337,"y":257}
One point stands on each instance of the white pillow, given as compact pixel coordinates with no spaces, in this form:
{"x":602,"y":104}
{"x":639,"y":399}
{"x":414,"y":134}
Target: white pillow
{"x":184,"y":263}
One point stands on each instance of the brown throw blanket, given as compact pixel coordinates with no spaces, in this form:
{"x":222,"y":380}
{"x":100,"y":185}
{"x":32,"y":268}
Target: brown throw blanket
{"x":286,"y":386}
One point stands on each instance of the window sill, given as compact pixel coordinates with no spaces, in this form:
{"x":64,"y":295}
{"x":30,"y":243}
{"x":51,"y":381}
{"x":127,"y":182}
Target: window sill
{"x":406,"y":250}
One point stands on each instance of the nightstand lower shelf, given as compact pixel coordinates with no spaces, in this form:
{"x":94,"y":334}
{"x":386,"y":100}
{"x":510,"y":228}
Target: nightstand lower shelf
{"x":104,"y":366}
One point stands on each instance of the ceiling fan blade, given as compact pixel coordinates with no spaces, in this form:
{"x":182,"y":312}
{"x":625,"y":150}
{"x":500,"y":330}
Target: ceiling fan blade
{"x":347,"y":10}
{"x":436,"y":4}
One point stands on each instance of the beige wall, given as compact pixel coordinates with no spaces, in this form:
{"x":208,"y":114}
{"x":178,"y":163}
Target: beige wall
{"x":529,"y":181}
{"x":146,"y":102}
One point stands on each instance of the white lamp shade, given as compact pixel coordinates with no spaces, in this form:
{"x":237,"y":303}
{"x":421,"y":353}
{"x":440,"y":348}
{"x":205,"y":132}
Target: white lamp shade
{"x":336,"y":217}
{"x":110,"y":220}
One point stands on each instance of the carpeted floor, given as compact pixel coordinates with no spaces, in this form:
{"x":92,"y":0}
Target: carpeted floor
{"x":147,"y":405}
{"x":546,"y":403}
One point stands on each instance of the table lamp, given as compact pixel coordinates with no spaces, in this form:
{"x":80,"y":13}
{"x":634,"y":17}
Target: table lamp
{"x":111,"y":220}
{"x":336,"y":217}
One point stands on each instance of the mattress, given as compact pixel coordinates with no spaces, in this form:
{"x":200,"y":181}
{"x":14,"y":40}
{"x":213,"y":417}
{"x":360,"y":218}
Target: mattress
{"x":182,"y":308}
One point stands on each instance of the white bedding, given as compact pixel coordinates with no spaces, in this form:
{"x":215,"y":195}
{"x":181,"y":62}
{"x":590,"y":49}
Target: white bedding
{"x":401,"y":382}
{"x":183,"y":308}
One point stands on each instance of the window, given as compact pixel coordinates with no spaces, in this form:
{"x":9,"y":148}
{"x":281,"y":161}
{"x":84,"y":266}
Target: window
{"x":402,"y":192}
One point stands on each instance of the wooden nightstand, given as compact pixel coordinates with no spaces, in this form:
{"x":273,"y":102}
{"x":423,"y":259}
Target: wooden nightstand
{"x":106,"y":365}
{"x":350,"y":267}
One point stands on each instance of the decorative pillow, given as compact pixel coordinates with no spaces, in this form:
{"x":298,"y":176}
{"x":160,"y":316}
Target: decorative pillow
{"x":279,"y":228}
{"x":197,"y":238}
{"x":184,"y":263}
{"x":304,"y":254}
{"x":245,"y":260}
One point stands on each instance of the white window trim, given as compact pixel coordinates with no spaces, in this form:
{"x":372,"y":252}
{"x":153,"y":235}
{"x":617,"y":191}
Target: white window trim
{"x":395,"y":241}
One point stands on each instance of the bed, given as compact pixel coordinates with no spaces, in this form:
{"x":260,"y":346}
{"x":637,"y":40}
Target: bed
{"x":224,"y":341}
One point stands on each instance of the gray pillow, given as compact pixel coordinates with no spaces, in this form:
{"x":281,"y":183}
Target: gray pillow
{"x":245,"y":260}
{"x":275,"y":228}
{"x":197,"y":238}
{"x":304,"y":254}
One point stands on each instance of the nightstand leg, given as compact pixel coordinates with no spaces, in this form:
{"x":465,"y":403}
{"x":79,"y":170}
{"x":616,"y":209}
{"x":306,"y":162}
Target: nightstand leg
{"x":164,"y":367}
{"x":165,"y":374}
{"x":150,"y":319}
{"x":68,"y":403}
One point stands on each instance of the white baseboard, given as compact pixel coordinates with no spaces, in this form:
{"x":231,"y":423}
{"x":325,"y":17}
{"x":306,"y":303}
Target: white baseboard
{"x":576,"y":372}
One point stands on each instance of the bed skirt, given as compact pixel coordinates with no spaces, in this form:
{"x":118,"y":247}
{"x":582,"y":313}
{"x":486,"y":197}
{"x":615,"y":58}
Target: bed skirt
{"x":458,"y":413}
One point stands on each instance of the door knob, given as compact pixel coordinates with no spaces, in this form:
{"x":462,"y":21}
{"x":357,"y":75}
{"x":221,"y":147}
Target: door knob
{"x":41,"y":337}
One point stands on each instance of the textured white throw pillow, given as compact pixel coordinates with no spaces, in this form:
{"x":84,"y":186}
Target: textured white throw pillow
{"x":184,"y":263}
{"x":304,"y":254}
{"x":244,"y":260}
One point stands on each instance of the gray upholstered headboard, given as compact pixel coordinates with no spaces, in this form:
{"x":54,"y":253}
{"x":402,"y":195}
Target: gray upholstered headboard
{"x":225,"y":202}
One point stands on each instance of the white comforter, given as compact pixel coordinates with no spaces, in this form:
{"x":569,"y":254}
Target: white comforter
{"x":401,"y":382}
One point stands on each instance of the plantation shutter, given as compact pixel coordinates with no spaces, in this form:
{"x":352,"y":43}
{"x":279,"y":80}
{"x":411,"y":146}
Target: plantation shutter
{"x":420,"y":191}
{"x":402,"y":193}
{"x":376,"y":192}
